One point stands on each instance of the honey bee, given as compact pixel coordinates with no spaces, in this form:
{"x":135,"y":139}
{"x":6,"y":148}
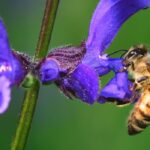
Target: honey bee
{"x":137,"y":63}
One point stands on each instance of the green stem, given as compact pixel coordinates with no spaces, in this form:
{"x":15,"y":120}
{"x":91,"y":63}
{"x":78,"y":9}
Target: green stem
{"x":31,"y":95}
{"x":46,"y":29}
{"x":26,"y":116}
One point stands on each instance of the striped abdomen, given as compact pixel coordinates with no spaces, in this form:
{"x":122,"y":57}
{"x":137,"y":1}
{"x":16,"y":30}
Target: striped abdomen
{"x":139,"y":118}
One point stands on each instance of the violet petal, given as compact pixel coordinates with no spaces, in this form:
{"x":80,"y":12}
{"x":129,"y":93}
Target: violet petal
{"x":49,"y":71}
{"x":115,"y":64}
{"x":5,"y":93}
{"x":108,"y":17}
{"x":4,"y":43}
{"x":84,"y":83}
{"x":118,"y":87}
{"x":10,"y":66}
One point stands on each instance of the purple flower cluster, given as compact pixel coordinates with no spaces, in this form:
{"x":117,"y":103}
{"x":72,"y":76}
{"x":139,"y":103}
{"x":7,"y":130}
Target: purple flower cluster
{"x":83,"y":81}
{"x":76,"y":69}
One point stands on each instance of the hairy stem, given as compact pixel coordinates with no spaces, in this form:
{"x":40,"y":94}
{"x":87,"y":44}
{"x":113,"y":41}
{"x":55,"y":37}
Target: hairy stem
{"x":31,"y":95}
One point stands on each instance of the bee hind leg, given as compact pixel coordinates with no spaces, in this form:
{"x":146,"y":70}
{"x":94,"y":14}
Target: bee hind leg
{"x":115,"y":101}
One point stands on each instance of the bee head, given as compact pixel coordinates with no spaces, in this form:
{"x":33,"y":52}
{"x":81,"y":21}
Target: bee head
{"x":134,"y":54}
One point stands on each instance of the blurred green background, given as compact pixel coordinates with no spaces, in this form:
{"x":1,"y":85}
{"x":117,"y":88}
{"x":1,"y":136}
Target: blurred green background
{"x":59,"y":123}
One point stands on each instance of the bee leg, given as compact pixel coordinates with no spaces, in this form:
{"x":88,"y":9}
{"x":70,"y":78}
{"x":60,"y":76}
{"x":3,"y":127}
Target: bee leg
{"x":148,"y":66}
{"x":125,"y":67}
{"x":142,"y":79}
{"x":116,"y":101}
{"x":132,"y":65}
{"x":135,"y":97}
{"x":135,"y":93}
{"x":123,"y":103}
{"x":133,"y":88}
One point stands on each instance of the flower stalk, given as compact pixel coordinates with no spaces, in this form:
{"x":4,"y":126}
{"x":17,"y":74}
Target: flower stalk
{"x":26,"y":117}
{"x":31,"y":95}
{"x":46,"y":29}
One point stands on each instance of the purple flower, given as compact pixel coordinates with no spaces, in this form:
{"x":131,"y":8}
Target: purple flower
{"x":76,"y":70}
{"x":106,"y":22}
{"x":12,"y":71}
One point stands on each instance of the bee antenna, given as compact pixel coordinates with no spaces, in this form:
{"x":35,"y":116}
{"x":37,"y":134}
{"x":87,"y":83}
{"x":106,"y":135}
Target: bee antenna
{"x":123,"y":54}
{"x":121,"y":50}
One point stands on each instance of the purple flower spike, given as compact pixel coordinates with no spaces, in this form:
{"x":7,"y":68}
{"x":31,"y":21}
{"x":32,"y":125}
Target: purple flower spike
{"x":12,"y":70}
{"x":107,"y":20}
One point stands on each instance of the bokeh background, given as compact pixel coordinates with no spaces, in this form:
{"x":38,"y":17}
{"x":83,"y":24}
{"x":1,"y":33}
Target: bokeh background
{"x":59,"y":123}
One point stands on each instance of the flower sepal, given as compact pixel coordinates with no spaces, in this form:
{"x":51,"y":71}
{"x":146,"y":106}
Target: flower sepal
{"x":60,"y":62}
{"x":28,"y":81}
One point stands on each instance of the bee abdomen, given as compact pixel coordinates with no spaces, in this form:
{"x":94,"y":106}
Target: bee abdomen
{"x":139,"y":118}
{"x":138,"y":122}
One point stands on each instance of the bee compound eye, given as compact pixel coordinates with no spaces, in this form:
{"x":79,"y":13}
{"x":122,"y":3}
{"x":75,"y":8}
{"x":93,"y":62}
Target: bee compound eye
{"x":131,"y":54}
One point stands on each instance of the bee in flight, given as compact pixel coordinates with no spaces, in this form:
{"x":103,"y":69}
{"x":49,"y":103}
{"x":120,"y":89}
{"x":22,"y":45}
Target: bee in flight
{"x":137,"y":62}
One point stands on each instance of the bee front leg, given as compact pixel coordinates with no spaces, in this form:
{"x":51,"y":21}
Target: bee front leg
{"x":142,"y":79}
{"x":126,"y":65}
